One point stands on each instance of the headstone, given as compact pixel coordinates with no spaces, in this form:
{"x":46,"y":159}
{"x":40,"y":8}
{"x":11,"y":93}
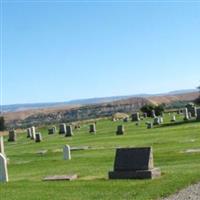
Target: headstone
{"x":145,"y":115}
{"x":161,"y":120}
{"x":135,"y":117}
{"x":190,"y":115}
{"x":69,"y":131}
{"x":52,"y":130}
{"x":3,"y":169}
{"x":173,"y":119}
{"x":120,"y":130}
{"x":33,"y":132}
{"x":62,"y":128}
{"x":12,"y":136}
{"x":2,"y":145}
{"x":38,"y":137}
{"x":192,"y":109}
{"x":92,"y":128}
{"x":29,"y":135}
{"x":198,"y":114}
{"x":149,"y":125}
{"x":134,"y":163}
{"x":153,"y":114}
{"x":125,"y":119}
{"x":66,"y":152}
{"x":156,"y":121}
{"x":185,"y":112}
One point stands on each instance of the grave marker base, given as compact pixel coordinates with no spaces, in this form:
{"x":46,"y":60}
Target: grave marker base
{"x":139,"y":174}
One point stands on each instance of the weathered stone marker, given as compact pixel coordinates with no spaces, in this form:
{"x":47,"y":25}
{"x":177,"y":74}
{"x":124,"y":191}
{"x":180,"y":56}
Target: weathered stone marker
{"x":33,"y":132}
{"x":29,"y":135}
{"x":145,"y":115}
{"x":198,"y":114}
{"x":66,"y":152}
{"x":185,"y":112}
{"x":173,"y":118}
{"x":12,"y":136}
{"x":62,"y":128}
{"x":134,"y":163}
{"x":2,"y":145}
{"x":192,"y":109}
{"x":156,"y":121}
{"x":125,"y":119}
{"x":69,"y":131}
{"x":135,"y":117}
{"x":149,"y":125}
{"x":38,"y":137}
{"x":3,"y":169}
{"x":161,"y":120}
{"x":120,"y":130}
{"x":52,"y":130}
{"x":92,"y":128}
{"x":153,"y":114}
{"x":61,"y":178}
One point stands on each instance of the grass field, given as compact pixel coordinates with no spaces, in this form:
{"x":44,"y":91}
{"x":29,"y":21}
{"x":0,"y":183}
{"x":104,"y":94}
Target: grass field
{"x":27,"y":168}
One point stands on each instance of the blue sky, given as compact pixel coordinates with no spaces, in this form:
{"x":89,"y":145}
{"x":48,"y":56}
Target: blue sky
{"x":58,"y":51}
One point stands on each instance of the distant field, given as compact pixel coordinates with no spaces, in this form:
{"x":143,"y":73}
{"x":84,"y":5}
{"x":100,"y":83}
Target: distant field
{"x":27,"y":168}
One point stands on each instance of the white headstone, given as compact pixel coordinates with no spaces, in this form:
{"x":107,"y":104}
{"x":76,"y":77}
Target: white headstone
{"x":173,"y":118}
{"x":33,"y":132}
{"x":67,"y":152}
{"x":186,"y":116}
{"x":1,"y":145}
{"x":3,"y":169}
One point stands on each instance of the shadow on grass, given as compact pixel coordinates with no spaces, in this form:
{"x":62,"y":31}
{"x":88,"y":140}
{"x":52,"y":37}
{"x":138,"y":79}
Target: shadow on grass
{"x":178,"y":123}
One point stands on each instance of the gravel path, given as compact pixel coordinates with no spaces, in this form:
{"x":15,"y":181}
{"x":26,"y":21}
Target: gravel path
{"x":190,"y":193}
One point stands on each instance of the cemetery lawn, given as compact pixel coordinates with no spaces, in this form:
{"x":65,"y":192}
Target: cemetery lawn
{"x":173,"y":149}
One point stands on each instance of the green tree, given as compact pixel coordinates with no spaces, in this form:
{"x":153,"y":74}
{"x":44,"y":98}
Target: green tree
{"x":149,"y":107}
{"x":2,"y":124}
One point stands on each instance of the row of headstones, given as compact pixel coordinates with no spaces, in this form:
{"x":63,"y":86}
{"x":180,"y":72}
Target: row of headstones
{"x":68,"y":130}
{"x":37,"y":136}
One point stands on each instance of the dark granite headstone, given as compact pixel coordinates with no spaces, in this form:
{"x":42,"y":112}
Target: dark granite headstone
{"x":120,"y":130}
{"x":62,"y":128}
{"x":52,"y":130}
{"x":134,"y":163}
{"x":69,"y":131}
{"x":38,"y":137}
{"x":135,"y":117}
{"x":12,"y":136}
{"x":92,"y":128}
{"x":198,"y":114}
{"x":125,"y":119}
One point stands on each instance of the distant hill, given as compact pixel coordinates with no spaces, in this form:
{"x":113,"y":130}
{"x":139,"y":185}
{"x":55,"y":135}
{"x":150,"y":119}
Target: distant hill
{"x":61,"y":112}
{"x":89,"y":101}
